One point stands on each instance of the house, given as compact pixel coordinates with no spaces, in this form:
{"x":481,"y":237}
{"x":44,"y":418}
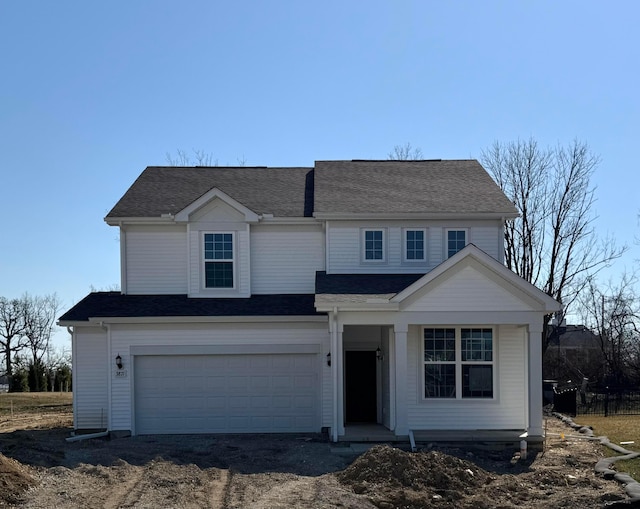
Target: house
{"x":574,"y":353}
{"x":299,"y":299}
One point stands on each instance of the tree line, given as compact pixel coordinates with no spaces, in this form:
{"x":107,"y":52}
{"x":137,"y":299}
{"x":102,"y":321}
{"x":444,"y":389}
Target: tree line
{"x":29,"y":361}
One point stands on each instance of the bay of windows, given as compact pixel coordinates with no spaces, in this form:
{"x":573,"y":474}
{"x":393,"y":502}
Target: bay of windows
{"x":458,"y":362}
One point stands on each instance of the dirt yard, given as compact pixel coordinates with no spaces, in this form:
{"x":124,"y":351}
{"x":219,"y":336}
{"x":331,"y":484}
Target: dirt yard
{"x":38,"y":468}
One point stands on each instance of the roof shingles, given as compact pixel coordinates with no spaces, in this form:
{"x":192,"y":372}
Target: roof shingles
{"x":117,"y":305}
{"x":333,"y":187}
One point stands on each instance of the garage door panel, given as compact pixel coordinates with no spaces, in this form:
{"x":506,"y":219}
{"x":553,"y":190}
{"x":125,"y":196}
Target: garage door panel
{"x":227,"y":393}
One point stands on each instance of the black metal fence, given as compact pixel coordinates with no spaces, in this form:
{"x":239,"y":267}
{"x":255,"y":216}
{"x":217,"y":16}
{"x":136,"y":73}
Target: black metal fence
{"x":610,"y":402}
{"x":605,"y":401}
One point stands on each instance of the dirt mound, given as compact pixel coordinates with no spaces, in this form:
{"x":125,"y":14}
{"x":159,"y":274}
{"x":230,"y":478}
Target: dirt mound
{"x":15,"y":479}
{"x":408,"y":479}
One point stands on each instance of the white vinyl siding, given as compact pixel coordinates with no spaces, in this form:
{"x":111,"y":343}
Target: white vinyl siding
{"x":265,"y":337}
{"x":285,"y":258}
{"x":90,"y":378}
{"x":156,"y":259}
{"x":468,"y":290}
{"x":346,"y":253}
{"x":506,"y":411}
{"x":488,"y":239}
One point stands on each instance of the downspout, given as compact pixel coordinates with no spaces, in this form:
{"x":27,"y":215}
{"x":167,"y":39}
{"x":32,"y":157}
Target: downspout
{"x":107,"y":327}
{"x":334,"y":372}
{"x":73,"y":360}
{"x":123,"y":259}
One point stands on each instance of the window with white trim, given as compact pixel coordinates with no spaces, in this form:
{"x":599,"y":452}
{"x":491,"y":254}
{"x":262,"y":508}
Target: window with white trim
{"x":373,"y":245}
{"x":414,"y":245}
{"x":456,"y":240}
{"x":218,"y":260}
{"x":458,"y":362}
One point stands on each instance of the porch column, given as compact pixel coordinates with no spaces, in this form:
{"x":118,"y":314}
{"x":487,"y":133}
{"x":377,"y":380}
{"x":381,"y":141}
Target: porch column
{"x":340,"y":375}
{"x":402,"y":426}
{"x":337,"y":426}
{"x":535,"y":428}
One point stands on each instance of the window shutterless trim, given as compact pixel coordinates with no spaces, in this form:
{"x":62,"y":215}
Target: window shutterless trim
{"x":447,"y":253}
{"x":223,"y":251}
{"x":405,"y":245}
{"x":442,"y":356}
{"x":373,"y":244}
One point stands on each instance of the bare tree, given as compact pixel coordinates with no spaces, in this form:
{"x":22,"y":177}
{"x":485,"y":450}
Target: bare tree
{"x":39,"y":319}
{"x":613,"y":313}
{"x":405,"y":153}
{"x":552,"y":244}
{"x":182,"y":158}
{"x":12,"y":328}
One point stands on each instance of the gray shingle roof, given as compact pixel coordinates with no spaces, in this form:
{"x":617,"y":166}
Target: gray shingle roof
{"x":168,"y":190}
{"x":333,"y":187}
{"x":114,"y":304}
{"x":456,"y":186}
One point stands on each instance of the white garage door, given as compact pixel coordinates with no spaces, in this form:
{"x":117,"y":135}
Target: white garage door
{"x":226,"y":393}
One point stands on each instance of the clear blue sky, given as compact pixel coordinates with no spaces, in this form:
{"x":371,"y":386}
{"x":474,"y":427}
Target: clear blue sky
{"x":92,"y":92}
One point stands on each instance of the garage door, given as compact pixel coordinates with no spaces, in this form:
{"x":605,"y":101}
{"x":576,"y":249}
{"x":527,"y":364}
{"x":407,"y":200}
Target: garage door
{"x":226,"y":393}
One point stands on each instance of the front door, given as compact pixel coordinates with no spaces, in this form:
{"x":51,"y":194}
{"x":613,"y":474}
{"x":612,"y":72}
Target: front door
{"x":360,"y":386}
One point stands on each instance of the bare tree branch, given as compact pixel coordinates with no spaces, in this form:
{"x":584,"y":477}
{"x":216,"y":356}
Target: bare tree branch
{"x":405,"y":153}
{"x":552,"y":244}
{"x":182,"y":158}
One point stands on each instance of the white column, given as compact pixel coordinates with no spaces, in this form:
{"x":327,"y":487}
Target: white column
{"x":402,"y":426}
{"x":340,"y":373}
{"x":535,"y":428}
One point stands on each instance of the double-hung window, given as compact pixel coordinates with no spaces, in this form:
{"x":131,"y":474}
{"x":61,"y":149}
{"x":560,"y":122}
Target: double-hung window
{"x":456,"y":240}
{"x":218,"y":260}
{"x":373,"y":245}
{"x":458,"y":362}
{"x":414,"y":245}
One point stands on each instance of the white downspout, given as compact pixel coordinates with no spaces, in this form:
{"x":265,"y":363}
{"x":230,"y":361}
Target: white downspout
{"x":123,"y":259}
{"x":73,"y":360}
{"x":110,"y":357}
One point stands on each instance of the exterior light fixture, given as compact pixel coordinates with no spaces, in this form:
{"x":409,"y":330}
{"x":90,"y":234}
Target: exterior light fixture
{"x":379,"y":355}
{"x":329,"y":359}
{"x":119,"y":361}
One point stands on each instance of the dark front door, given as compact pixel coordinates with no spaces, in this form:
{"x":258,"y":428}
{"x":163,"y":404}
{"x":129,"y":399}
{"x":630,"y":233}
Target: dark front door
{"x":360,"y":386}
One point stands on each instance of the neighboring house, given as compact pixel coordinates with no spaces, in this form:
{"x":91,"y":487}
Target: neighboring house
{"x":574,"y":352}
{"x":295,"y":299}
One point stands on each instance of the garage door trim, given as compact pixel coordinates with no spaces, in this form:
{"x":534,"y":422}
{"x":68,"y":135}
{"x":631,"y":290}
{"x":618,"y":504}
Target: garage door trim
{"x":230,"y":349}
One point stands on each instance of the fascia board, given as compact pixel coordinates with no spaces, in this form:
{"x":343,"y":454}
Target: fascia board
{"x":203,"y":319}
{"x":118,"y":221}
{"x":325,"y":307}
{"x":75,"y":323}
{"x":415,"y":215}
{"x":288,"y":220}
{"x":183,"y":215}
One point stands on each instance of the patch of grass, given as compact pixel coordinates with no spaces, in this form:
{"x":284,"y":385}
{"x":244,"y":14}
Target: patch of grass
{"x":34,"y":402}
{"x":618,"y":428}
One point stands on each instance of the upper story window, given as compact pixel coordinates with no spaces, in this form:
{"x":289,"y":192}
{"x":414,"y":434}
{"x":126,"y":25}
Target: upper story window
{"x":218,"y":260}
{"x":456,"y":240}
{"x":458,"y":362}
{"x":373,"y":245}
{"x":414,"y":245}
